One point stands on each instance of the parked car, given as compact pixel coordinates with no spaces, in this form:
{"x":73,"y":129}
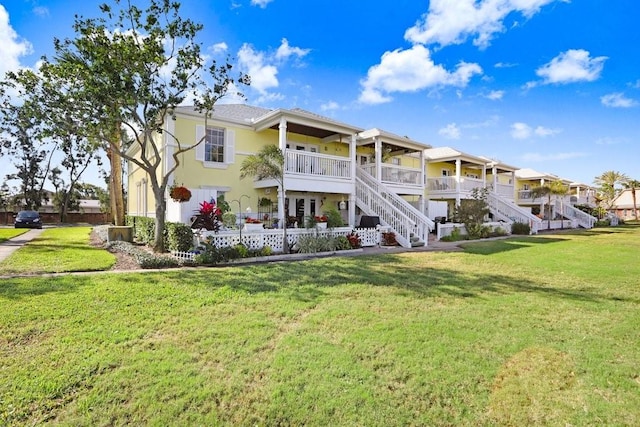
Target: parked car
{"x":28,"y":219}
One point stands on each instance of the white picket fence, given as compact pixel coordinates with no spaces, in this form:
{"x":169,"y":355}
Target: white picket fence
{"x":274,"y":238}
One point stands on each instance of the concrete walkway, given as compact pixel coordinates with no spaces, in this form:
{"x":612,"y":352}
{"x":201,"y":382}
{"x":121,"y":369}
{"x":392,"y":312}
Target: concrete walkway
{"x":12,"y":245}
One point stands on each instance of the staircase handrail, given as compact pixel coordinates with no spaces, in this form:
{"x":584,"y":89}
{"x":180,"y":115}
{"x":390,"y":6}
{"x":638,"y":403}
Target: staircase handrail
{"x":424,"y":224}
{"x":584,"y":219}
{"x":508,"y":211}
{"x":388,"y":214}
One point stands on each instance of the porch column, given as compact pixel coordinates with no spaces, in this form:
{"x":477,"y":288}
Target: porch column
{"x":513,"y":183}
{"x":423,"y":181}
{"x":494,"y":173}
{"x":378,"y":149}
{"x":352,"y":210}
{"x":484,"y":176}
{"x":352,"y":156}
{"x":458,"y":173}
{"x":281,"y":213}
{"x":282,"y":134}
{"x":282,"y":144}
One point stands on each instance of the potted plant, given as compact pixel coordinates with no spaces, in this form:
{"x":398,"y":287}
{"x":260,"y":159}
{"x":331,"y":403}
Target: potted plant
{"x":179,"y":193}
{"x":252,"y":224}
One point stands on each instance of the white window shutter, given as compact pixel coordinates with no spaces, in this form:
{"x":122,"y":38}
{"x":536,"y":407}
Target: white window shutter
{"x":200,"y":147}
{"x":229,"y":146}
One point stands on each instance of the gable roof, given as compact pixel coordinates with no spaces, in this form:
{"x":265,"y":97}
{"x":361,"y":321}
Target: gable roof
{"x":624,"y":200}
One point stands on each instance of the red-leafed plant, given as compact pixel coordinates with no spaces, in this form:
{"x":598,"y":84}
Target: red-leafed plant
{"x":354,"y":240}
{"x":253,"y":221}
{"x":209,"y":217}
{"x":321,"y":218}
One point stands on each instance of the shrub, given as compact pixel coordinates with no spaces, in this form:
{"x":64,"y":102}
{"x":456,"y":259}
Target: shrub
{"x":334,"y":219}
{"x":312,"y":244}
{"x":241,"y":251}
{"x":389,"y":238}
{"x":144,"y":258}
{"x":229,"y":219}
{"x":520,"y":228}
{"x":342,"y":243}
{"x":266,"y":251}
{"x":179,"y":237}
{"x":354,"y":240}
{"x":143,"y":228}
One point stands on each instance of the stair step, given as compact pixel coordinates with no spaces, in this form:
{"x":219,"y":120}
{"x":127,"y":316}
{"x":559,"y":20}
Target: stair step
{"x":417,"y":244}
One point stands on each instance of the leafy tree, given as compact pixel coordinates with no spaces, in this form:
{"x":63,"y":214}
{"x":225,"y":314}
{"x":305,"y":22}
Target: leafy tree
{"x":633,"y":184}
{"x":133,"y":67}
{"x":23,"y":136}
{"x":472,"y":212}
{"x":609,"y":182}
{"x":268,"y":163}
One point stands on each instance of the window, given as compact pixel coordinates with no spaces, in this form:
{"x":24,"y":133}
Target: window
{"x":525,"y":187}
{"x":214,"y":145}
{"x":395,"y":161}
{"x":446,"y":172}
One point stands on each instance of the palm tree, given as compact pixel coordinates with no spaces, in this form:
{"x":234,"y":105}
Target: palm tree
{"x":607,"y":182}
{"x":554,"y":188}
{"x":268,"y":163}
{"x":632,"y":184}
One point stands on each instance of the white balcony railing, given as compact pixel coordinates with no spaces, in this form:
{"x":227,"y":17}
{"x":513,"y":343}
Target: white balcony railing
{"x":392,"y":174}
{"x":505,"y":190}
{"x":315,"y":164}
{"x":448,"y":184}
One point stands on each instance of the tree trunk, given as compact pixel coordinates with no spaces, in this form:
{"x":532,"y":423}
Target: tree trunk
{"x":115,"y":183}
{"x":161,"y":207}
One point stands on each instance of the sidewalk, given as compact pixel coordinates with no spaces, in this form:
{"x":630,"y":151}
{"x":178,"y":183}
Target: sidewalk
{"x":12,"y":245}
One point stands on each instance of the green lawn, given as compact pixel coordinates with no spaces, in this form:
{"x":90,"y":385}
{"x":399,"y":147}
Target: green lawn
{"x":9,"y":233}
{"x":58,"y":250}
{"x":541,"y":330}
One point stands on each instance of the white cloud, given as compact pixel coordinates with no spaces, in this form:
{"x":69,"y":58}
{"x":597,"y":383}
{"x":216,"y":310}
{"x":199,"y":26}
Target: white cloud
{"x":261,"y":3}
{"x":544,"y":132}
{"x":521,"y":130}
{"x":451,"y":131}
{"x":495,"y":95}
{"x":254,"y":63}
{"x":574,"y":65}
{"x":13,"y":47}
{"x":330,"y":106}
{"x":490,"y":122}
{"x":635,"y":85}
{"x":219,"y":47}
{"x":546,"y":157}
{"x":504,"y":65}
{"x":617,"y":100}
{"x":409,"y":71}
{"x":453,"y":22}
{"x":41,"y":11}
{"x":607,"y":140}
{"x":285,"y":51}
{"x":263,"y":67}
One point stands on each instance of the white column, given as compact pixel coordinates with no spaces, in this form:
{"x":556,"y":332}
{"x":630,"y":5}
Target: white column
{"x":352,"y":210}
{"x":422,"y":172}
{"x":281,"y":213}
{"x":378,"y":146}
{"x":458,"y":173}
{"x":494,"y":172}
{"x":352,"y":156}
{"x":282,"y":143}
{"x":484,"y":176}
{"x":282,"y":135}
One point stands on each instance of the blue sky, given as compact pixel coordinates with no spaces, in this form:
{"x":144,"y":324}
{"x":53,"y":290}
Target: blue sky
{"x":552,"y":85}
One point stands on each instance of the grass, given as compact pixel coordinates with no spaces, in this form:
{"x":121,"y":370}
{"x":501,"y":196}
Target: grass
{"x":536,"y":330}
{"x":58,"y":250}
{"x":9,"y":233}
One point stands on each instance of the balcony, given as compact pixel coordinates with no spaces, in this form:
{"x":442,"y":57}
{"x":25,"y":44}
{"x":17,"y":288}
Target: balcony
{"x":446,"y":186}
{"x":392,"y":174}
{"x":308,"y":171}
